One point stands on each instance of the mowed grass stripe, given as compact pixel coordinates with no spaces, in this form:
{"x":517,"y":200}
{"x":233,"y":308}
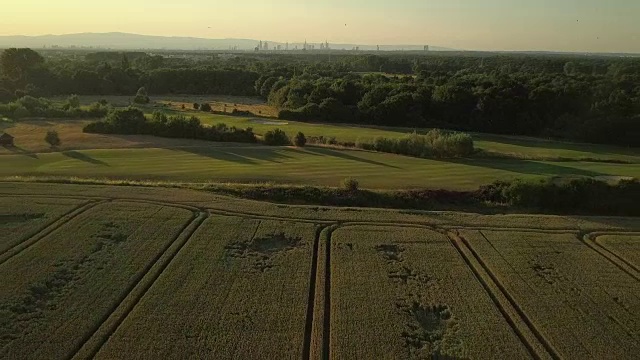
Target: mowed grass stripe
{"x":299,"y":166}
{"x":518,"y":145}
{"x":63,"y":286}
{"x":238,"y":289}
{"x":584,"y":314}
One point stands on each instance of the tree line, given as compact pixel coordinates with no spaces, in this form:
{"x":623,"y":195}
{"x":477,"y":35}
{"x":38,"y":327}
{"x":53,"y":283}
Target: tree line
{"x":594,"y":99}
{"x":132,"y":121}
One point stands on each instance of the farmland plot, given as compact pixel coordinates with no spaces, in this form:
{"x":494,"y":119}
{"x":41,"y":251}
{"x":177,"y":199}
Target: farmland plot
{"x":406,"y":293}
{"x":56,"y":292}
{"x":22,"y":217}
{"x":626,"y":247}
{"x":238,"y":289}
{"x":582,"y":304}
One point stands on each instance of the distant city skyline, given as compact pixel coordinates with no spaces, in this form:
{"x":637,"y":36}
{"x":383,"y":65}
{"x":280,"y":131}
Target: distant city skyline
{"x":514,"y":25}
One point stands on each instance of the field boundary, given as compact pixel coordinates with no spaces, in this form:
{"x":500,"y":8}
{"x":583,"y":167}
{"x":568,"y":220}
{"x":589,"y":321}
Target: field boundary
{"x":591,"y":240}
{"x":223,"y":212}
{"x":94,"y":341}
{"x":48,"y":229}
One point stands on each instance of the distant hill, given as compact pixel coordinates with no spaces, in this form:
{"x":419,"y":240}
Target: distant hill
{"x":124,"y":41}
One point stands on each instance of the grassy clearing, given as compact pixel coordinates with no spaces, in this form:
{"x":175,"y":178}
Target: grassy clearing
{"x":309,"y":166}
{"x":66,"y":284}
{"x":624,"y":246}
{"x":21,"y":218}
{"x":238,"y":289}
{"x":427,"y":301}
{"x":517,"y":146}
{"x":581,"y":303}
{"x":520,"y":147}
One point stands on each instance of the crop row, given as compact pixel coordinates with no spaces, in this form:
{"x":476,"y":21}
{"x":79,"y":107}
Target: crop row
{"x":171,"y":283}
{"x":72,"y":279}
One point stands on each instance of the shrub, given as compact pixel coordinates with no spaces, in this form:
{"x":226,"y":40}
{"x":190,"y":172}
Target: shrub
{"x":205,"y":107}
{"x":584,"y":195}
{"x":21,"y":112}
{"x":276,"y":137}
{"x":350,"y":184}
{"x":52,"y":138}
{"x":141,"y":96}
{"x":73,"y":102}
{"x":435,"y":143}
{"x":133,"y":121}
{"x":300,"y":140}
{"x":196,"y":106}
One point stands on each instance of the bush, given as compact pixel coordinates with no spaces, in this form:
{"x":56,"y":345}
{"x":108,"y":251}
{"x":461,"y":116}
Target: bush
{"x":30,"y":106}
{"x":52,"y":138}
{"x":350,"y":184}
{"x":196,"y":106}
{"x":435,"y":143}
{"x":133,"y":121}
{"x":141,"y":96}
{"x":73,"y":102}
{"x":205,"y":107}
{"x":276,"y":137}
{"x":585,"y":195}
{"x":300,"y":140}
{"x":21,"y":112}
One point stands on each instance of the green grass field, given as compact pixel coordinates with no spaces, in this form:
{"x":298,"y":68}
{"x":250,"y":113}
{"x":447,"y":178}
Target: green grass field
{"x":176,"y":273}
{"x":308,"y":166}
{"x":182,"y":160}
{"x":509,"y":145}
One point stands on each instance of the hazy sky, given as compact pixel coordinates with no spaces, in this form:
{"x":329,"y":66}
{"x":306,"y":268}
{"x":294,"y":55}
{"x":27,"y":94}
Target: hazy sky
{"x":565,"y":25}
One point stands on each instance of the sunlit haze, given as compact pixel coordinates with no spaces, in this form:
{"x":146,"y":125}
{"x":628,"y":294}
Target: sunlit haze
{"x":556,"y":25}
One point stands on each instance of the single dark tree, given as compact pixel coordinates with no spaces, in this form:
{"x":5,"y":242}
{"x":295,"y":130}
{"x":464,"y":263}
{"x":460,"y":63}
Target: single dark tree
{"x":141,"y":96}
{"x":205,"y":107}
{"x":196,"y":106}
{"x":124,"y":63}
{"x":276,"y":137}
{"x":52,"y":138}
{"x":300,"y":140}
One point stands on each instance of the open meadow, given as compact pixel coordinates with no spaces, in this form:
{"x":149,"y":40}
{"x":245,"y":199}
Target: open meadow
{"x":141,"y":157}
{"x":115,"y":271}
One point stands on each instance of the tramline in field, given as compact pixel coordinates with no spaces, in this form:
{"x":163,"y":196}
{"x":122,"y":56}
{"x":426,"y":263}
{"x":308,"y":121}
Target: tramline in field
{"x":66,"y":283}
{"x":135,"y":272}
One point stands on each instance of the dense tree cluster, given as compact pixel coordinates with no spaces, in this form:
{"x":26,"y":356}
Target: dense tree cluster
{"x":435,"y":143}
{"x":594,"y":99}
{"x":29,"y":106}
{"x":132,"y":121}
